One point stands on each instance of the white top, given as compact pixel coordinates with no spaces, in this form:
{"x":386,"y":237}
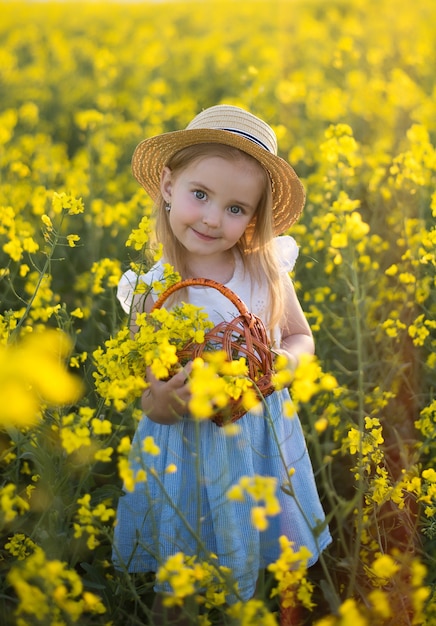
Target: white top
{"x":217,"y":305}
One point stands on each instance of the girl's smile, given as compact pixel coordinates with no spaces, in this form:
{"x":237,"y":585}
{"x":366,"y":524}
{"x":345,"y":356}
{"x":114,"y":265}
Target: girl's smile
{"x":203,"y":236}
{"x":212,"y":202}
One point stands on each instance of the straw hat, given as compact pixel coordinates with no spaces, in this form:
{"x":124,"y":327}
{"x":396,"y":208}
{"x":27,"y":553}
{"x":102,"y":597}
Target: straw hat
{"x":235,"y":127}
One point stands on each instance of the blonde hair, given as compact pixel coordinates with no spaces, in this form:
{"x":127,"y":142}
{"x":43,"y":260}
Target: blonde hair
{"x":256,"y":246}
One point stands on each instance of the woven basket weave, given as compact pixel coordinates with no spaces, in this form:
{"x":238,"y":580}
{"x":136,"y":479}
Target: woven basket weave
{"x":243,"y":336}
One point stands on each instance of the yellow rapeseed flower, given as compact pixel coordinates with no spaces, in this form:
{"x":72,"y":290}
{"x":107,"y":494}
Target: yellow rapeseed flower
{"x":380,"y":602}
{"x":101,"y":426}
{"x":20,"y":546}
{"x":171,"y":468}
{"x":48,"y":591}
{"x":63,"y":202}
{"x":45,"y":219}
{"x":258,"y":518}
{"x":321,"y":425}
{"x":350,"y":613}
{"x":72,"y":240}
{"x":252,"y":613}
{"x":384,"y":567}
{"x":32,"y":373}
{"x":11,"y":504}
{"x":104,"y":455}
{"x":262,"y":490}
{"x":149,"y":446}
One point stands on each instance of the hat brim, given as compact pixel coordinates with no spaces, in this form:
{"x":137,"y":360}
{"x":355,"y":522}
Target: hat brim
{"x":151,"y":156}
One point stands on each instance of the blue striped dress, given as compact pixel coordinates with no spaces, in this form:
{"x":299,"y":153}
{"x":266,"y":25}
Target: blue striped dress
{"x":188,"y":510}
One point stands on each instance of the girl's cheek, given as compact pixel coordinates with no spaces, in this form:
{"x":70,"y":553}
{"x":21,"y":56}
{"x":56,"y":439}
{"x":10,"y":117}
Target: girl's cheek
{"x":188,"y":207}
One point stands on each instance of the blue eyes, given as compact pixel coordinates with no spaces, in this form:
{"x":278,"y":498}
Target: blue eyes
{"x":202,"y":195}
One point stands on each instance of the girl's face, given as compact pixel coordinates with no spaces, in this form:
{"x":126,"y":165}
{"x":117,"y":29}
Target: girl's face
{"x":212,"y":202}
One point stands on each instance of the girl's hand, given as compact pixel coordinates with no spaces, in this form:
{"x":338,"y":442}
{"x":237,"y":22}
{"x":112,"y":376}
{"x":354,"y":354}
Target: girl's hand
{"x":291,"y":359}
{"x":165,"y":401}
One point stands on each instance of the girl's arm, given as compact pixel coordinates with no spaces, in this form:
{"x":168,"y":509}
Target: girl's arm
{"x":297,"y":337}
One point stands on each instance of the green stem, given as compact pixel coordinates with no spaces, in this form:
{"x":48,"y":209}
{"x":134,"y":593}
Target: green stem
{"x":42,"y":273}
{"x":357,"y":300}
{"x":306,"y":519}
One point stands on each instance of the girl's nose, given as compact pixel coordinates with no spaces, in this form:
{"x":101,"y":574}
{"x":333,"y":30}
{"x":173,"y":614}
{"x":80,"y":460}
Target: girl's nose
{"x":212,"y":217}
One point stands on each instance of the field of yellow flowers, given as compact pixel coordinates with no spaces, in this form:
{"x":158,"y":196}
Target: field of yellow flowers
{"x":349,"y":86}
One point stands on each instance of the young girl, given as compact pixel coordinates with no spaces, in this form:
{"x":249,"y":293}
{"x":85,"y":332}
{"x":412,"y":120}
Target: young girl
{"x":222,"y":196}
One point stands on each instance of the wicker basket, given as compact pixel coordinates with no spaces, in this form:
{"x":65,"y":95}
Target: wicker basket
{"x":244,"y":336}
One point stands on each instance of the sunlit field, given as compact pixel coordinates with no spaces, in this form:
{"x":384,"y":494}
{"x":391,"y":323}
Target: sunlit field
{"x":349,"y":86}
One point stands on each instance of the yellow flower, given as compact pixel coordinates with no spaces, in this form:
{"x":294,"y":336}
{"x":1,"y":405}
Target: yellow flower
{"x":392,"y":270}
{"x":11,"y":504}
{"x":380,"y":602}
{"x":64,"y":202}
{"x":178,"y":575}
{"x":339,"y":240}
{"x":47,"y":222}
{"x":101,"y":427}
{"x":92,"y":603}
{"x":407,"y":278}
{"x":262,"y":490}
{"x":149,"y":446}
{"x":44,"y":598}
{"x":124,"y":446}
{"x":171,"y":468}
{"x":14,"y":249}
{"x":232,"y":429}
{"x":258,"y":517}
{"x":77,"y":313}
{"x":430,"y":475}
{"x":321,"y":425}
{"x":75,"y":433}
{"x":236,"y":493}
{"x":289,"y":409}
{"x":32,"y":373}
{"x":371,"y":422}
{"x":420,"y":330}
{"x":104,"y":455}
{"x":88,"y":119}
{"x":351,"y":614}
{"x":309,"y":380}
{"x":139,"y":237}
{"x":355,"y":226}
{"x":208,"y":389}
{"x":354,"y":438}
{"x":252,"y":613}
{"x":290,"y":573}
{"x":105,"y":269}
{"x":384,"y":567}
{"x":24,"y":270}
{"x":20,"y":546}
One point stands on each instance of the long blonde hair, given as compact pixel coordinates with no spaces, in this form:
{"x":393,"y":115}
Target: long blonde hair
{"x":256,"y":246}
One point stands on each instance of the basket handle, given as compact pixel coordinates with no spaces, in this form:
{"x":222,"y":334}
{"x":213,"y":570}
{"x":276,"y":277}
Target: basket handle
{"x":202,"y":282}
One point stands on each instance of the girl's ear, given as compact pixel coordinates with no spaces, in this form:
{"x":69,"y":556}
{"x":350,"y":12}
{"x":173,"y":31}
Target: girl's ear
{"x":166,"y":184}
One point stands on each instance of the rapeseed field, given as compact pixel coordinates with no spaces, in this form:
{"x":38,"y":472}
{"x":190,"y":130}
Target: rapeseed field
{"x":349,"y":87}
